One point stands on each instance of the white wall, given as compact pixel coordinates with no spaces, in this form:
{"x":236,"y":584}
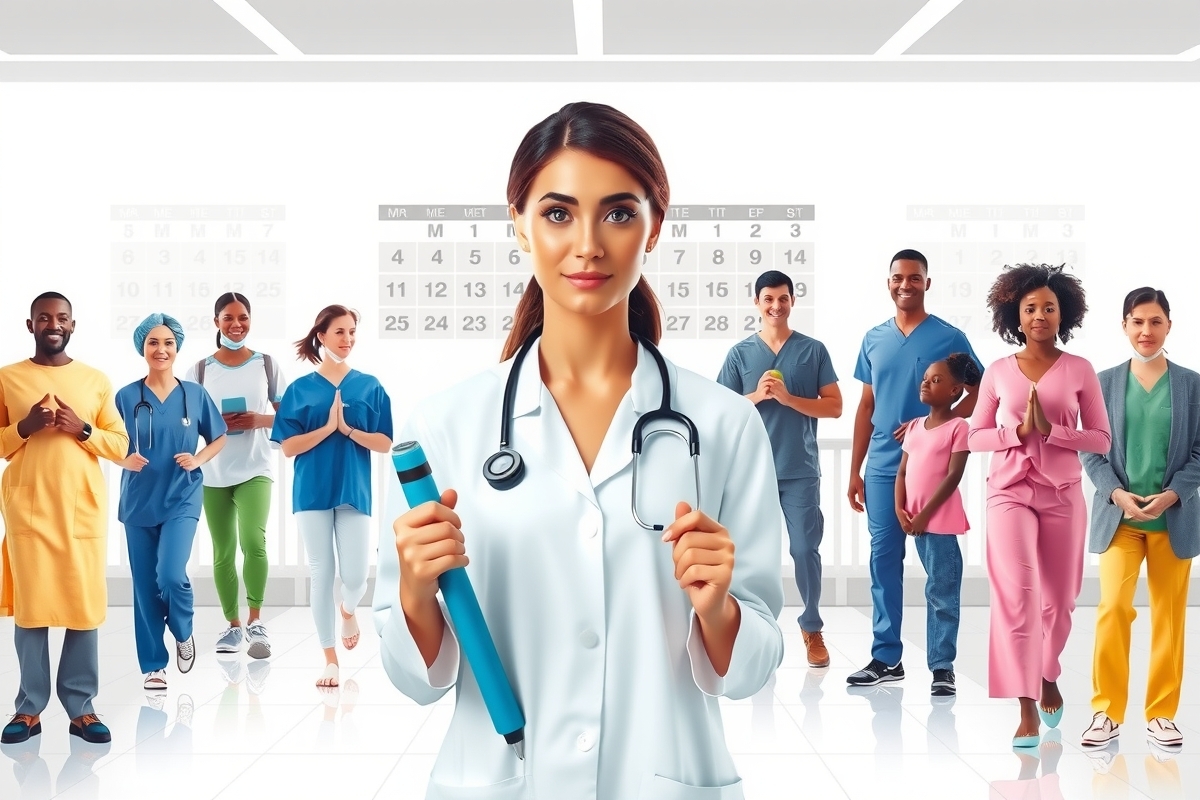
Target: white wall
{"x":861,"y":153}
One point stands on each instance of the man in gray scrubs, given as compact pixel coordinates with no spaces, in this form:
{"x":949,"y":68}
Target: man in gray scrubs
{"x":790,"y":378}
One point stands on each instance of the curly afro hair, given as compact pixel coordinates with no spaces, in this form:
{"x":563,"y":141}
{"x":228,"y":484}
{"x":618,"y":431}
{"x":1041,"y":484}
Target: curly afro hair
{"x":1004,"y":299}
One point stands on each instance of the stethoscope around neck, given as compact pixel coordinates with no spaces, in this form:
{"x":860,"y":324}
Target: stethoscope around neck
{"x":505,"y":468}
{"x":137,"y":432}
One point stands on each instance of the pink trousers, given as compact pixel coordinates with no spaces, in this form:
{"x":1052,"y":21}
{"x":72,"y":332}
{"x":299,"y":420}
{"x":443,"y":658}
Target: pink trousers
{"x":1035,"y":541}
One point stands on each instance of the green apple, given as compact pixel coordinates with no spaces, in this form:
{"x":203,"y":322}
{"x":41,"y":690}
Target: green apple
{"x":774,"y":373}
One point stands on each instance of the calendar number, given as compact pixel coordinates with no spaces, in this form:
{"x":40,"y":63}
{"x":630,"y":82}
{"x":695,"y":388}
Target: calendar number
{"x":436,"y":324}
{"x":716,"y":323}
{"x":796,"y":257}
{"x":756,"y":257}
{"x":475,"y":256}
{"x":751,"y":323}
{"x":507,"y":324}
{"x":718,"y":289}
{"x":395,"y":289}
{"x":514,"y":257}
{"x":398,"y":256}
{"x":396,"y":322}
{"x":677,"y":323}
{"x":801,"y":289}
{"x":129,"y":289}
{"x":679,"y":288}
{"x":273,"y":289}
{"x":474,"y":323}
{"x":475,"y":289}
{"x":795,"y":230}
{"x":960,"y":289}
{"x":514,"y":289}
{"x":756,"y":231}
{"x":435,"y":290}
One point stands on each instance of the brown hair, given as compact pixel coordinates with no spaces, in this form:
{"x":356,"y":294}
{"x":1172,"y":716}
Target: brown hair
{"x":604,"y":132}
{"x":309,"y":348}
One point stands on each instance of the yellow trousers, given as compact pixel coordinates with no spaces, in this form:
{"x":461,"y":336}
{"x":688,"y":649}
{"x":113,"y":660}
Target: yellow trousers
{"x":1167,"y":577}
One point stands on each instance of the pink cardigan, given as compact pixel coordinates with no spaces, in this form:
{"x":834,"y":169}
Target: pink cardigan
{"x":1067,"y":392}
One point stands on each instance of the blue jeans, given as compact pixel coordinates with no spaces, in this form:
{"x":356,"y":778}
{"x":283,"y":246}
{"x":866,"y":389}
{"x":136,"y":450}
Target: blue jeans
{"x":942,"y":559}
{"x":162,"y":592}
{"x":801,"y":502}
{"x":888,"y":542}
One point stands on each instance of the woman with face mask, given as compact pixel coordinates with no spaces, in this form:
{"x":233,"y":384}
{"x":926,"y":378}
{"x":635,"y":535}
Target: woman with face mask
{"x":161,"y":493}
{"x":1145,"y":509}
{"x":330,"y":421}
{"x":247,"y":386}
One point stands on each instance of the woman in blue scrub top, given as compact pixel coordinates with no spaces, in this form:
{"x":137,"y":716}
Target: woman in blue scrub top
{"x":330,"y":420}
{"x":162,"y":492}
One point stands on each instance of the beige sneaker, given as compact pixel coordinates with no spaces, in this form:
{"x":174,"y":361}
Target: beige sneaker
{"x":1162,"y":731}
{"x":814,"y":643}
{"x":1102,"y":731}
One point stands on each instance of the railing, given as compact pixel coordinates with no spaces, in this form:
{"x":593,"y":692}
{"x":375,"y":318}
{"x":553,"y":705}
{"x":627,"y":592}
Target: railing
{"x":845,"y":550}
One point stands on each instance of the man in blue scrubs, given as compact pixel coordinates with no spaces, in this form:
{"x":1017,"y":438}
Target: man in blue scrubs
{"x":790,"y":407}
{"x":891,"y":363}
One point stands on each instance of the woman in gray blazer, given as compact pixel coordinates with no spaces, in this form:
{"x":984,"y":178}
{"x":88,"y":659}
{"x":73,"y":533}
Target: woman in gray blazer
{"x":1146,"y":508}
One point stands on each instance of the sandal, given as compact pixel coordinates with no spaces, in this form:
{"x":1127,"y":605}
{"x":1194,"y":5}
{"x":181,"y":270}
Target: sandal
{"x":350,"y":632}
{"x":329,"y":678}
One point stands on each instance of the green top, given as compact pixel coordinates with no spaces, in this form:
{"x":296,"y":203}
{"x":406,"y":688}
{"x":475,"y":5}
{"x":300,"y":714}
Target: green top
{"x":1147,"y":434}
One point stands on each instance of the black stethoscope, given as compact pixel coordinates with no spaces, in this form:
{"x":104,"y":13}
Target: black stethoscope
{"x":137,"y":432}
{"x":505,"y":468}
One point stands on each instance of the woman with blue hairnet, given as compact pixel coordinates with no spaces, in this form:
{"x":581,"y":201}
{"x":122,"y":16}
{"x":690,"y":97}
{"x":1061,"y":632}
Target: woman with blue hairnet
{"x":162,"y":492}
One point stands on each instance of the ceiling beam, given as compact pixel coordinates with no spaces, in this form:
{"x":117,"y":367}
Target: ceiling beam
{"x":258,"y":25}
{"x":1191,"y":55}
{"x":920,"y":24}
{"x":589,"y":28}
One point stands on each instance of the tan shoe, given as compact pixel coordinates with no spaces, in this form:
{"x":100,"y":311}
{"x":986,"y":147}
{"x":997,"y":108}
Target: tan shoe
{"x":818,"y":654}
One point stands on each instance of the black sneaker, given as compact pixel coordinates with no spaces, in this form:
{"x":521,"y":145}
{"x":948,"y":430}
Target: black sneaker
{"x":943,"y":683}
{"x":876,"y":673}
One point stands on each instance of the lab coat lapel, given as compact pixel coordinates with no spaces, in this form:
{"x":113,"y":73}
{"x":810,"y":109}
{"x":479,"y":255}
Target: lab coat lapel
{"x":540,"y":433}
{"x":645,"y":392}
{"x":1117,"y":422}
{"x":1179,"y":435}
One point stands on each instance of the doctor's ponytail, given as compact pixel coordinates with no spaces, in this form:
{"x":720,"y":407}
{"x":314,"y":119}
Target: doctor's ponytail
{"x":606,"y":133}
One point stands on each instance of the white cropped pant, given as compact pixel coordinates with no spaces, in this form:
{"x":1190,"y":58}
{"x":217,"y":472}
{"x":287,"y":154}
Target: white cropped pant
{"x":349,"y":531}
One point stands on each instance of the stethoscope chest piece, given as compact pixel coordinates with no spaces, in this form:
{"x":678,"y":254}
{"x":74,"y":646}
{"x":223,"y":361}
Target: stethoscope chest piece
{"x":504,"y":469}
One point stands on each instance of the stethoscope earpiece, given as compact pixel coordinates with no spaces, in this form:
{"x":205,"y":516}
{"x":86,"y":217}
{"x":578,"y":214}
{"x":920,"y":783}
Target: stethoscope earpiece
{"x":504,"y":469}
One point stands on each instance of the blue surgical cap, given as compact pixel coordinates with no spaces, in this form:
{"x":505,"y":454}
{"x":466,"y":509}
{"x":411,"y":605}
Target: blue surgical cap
{"x":150,"y":323}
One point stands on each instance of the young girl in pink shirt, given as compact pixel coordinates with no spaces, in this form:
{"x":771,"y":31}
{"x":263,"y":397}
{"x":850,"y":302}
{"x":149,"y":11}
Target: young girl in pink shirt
{"x":930,"y":509}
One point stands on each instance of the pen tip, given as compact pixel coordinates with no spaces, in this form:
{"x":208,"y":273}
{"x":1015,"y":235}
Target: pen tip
{"x":519,"y":748}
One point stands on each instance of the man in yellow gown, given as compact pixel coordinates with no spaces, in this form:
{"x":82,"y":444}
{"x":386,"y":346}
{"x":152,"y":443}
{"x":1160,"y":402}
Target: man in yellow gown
{"x":57,"y":419}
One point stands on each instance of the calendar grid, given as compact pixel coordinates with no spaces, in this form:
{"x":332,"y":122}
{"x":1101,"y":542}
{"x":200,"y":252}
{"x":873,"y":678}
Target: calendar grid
{"x":456,"y":272}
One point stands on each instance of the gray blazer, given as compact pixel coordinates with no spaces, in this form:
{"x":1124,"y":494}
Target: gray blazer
{"x":1183,"y":461}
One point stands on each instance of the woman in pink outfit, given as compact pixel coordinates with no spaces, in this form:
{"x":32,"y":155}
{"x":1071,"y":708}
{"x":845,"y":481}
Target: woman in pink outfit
{"x":1029,"y":413}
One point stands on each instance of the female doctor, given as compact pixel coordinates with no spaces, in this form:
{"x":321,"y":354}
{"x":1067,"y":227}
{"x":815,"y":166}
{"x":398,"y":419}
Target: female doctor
{"x":618,"y":640}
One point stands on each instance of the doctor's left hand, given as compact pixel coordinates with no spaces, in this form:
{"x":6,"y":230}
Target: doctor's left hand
{"x":703,"y":554}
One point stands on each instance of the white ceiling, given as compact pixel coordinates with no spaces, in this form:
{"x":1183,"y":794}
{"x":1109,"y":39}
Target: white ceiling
{"x":600,"y":39}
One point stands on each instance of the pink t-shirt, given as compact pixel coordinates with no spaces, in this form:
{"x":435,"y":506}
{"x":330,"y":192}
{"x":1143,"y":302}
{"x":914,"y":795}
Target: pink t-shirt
{"x":928,"y":464}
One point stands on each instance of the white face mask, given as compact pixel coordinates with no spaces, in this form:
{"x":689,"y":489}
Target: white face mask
{"x":231,"y":344}
{"x":332,"y":356}
{"x":1148,"y":359}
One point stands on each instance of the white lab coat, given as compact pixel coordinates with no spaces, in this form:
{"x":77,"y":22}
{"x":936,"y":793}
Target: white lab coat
{"x":599,"y":640}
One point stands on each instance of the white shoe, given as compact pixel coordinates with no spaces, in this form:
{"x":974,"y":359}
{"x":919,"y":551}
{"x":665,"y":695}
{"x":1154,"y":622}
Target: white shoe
{"x":1102,"y":731}
{"x":185,"y":654}
{"x":1162,"y":731}
{"x":155,"y":681}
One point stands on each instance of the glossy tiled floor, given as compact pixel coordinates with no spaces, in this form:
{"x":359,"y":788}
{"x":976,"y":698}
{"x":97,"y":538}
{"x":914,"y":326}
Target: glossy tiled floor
{"x":236,"y":729}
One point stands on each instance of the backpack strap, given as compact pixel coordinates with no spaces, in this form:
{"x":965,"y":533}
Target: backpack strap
{"x":272,"y":386}
{"x":200,"y":370}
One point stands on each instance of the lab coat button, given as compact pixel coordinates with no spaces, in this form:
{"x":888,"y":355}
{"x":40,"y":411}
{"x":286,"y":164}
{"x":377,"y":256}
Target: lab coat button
{"x":589,"y":639}
{"x":585,"y":741}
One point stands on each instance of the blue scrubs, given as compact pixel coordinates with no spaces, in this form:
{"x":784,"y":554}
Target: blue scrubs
{"x":893,"y":364}
{"x":160,"y":507}
{"x":806,"y":367}
{"x":337,"y":472}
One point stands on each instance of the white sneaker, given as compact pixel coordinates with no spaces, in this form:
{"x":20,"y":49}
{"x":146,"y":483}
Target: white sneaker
{"x":260,"y":645}
{"x":155,"y":681}
{"x":1162,"y":731}
{"x":230,"y":641}
{"x":1102,"y":731}
{"x":185,"y":654}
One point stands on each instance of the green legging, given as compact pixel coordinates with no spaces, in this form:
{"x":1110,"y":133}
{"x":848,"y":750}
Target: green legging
{"x":239,"y":513}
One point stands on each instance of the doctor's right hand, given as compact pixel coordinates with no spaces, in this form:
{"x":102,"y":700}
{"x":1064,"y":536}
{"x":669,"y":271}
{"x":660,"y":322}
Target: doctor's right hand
{"x":428,"y":543}
{"x":857,"y":493}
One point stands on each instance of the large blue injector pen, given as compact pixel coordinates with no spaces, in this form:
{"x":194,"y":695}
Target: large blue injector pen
{"x":416,"y":479}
